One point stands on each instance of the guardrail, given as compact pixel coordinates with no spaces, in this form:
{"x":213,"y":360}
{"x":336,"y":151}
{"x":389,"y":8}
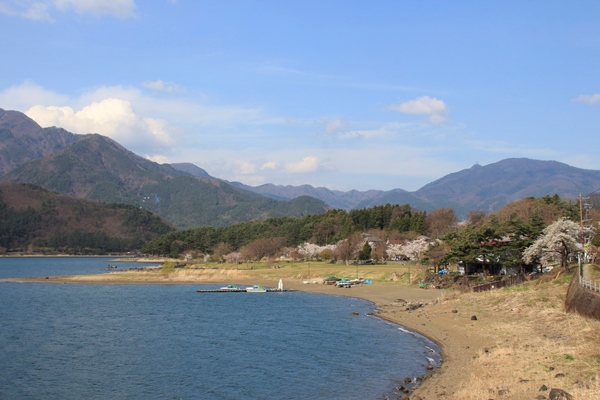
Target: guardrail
{"x":589,"y":284}
{"x":514,"y":280}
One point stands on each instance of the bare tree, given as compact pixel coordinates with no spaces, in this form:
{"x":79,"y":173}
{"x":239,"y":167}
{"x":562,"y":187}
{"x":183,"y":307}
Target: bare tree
{"x":440,"y":222}
{"x":476,"y":218}
{"x":260,"y":248}
{"x":221,"y":250}
{"x":347,"y":249}
{"x":436,"y":253}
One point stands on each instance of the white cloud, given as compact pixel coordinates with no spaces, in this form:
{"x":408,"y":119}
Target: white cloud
{"x":38,"y":11}
{"x":363,"y":134}
{"x":158,"y":158}
{"x":161,"y":130}
{"x":245,"y":167}
{"x":437,"y":119}
{"x":117,"y":8}
{"x":422,"y":105}
{"x":269,"y":165}
{"x":595,"y":98}
{"x":143,"y":124}
{"x":435,"y":108}
{"x":308,"y":164}
{"x":41,"y":9}
{"x":335,"y":125}
{"x":21,"y":97}
{"x":111,"y":117}
{"x":161,"y":86}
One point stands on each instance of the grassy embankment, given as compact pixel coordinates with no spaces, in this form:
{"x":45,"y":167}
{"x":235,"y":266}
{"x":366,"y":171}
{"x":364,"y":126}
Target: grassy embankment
{"x":198,"y":272}
{"x":532,"y":342}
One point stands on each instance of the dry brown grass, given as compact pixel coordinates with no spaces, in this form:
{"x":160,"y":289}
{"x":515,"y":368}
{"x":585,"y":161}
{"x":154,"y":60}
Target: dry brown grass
{"x":260,"y":272}
{"x":532,"y":342}
{"x":302,"y":271}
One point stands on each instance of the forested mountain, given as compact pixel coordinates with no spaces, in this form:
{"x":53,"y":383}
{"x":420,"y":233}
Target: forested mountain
{"x":492,"y":186}
{"x":21,"y":140}
{"x":98,"y":168}
{"x":35,"y":219}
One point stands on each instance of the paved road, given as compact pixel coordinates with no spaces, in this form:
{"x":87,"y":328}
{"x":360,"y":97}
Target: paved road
{"x":586,"y":271}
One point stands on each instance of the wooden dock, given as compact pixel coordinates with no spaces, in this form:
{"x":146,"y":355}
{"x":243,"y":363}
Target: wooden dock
{"x":239,"y":290}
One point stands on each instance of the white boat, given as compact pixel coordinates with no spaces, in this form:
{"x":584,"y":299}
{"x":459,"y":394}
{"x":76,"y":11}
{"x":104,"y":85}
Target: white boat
{"x":256,"y":289}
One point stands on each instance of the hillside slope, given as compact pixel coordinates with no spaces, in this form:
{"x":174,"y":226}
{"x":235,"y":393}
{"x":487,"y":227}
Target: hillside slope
{"x":490,"y":187}
{"x":33,"y":218}
{"x":98,"y":168}
{"x":22,"y":140}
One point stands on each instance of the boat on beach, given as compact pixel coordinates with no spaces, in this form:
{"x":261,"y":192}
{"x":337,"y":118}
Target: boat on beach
{"x":348,"y":283}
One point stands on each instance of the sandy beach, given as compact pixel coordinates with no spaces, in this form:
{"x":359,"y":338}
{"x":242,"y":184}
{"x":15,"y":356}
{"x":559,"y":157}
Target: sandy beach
{"x":490,"y":347}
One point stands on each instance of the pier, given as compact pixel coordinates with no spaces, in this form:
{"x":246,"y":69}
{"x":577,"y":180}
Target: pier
{"x":240,"y":290}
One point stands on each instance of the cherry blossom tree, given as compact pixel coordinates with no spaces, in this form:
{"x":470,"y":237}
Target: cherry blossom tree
{"x":558,"y":240}
{"x":414,"y":249}
{"x":394,"y":250}
{"x":233,"y":257}
{"x":310,"y":250}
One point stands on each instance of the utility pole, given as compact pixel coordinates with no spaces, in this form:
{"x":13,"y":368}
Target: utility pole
{"x":583,"y":224}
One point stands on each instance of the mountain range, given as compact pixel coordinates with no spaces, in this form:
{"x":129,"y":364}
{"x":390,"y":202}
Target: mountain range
{"x":486,"y":188}
{"x":96,"y":167}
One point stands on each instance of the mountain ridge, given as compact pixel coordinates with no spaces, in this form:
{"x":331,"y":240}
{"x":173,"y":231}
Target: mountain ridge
{"x":27,"y":149}
{"x":98,"y":168}
{"x":485,"y":188}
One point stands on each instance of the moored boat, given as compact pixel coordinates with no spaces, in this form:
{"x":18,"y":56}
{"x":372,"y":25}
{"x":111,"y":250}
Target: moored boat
{"x":231,"y":287}
{"x":256,"y":289}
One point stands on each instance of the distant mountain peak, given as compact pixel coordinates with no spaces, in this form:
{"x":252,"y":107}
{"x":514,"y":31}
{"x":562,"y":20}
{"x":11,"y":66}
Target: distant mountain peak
{"x":191,"y":169}
{"x":22,"y":140}
{"x":97,"y":167}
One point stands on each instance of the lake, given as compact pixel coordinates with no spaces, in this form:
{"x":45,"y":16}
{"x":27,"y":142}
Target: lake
{"x":97,"y":341}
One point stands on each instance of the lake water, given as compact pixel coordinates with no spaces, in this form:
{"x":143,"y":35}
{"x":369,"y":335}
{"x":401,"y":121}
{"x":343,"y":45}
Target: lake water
{"x":69,"y":341}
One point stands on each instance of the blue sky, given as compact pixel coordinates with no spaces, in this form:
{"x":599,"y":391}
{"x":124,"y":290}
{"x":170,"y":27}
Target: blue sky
{"x":342,"y":94}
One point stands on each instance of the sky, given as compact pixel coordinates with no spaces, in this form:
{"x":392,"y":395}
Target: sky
{"x":343,"y":94}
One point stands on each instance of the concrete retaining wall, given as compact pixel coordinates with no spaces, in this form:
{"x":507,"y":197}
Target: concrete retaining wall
{"x":582,"y":301}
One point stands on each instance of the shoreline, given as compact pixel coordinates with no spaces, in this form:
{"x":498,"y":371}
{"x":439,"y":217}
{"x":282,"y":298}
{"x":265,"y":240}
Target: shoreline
{"x":391,"y":302}
{"x":512,"y":343}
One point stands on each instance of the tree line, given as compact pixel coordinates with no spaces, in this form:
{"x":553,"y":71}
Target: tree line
{"x":502,"y":236}
{"x":321,"y":229}
{"x":519,"y":234}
